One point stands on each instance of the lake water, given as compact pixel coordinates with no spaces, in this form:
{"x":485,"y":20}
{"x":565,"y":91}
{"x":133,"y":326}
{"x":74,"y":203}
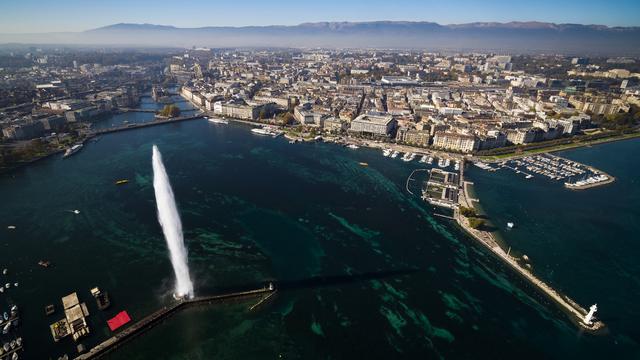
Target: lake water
{"x":257,"y":209}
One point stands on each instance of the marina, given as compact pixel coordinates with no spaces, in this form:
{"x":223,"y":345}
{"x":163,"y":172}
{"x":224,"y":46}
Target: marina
{"x":574,"y":175}
{"x":10,"y":349}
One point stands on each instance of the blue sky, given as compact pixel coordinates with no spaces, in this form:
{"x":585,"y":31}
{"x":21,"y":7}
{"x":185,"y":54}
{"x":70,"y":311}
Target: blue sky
{"x":20,"y":16}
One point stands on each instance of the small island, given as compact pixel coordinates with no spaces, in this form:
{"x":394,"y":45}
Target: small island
{"x":169,"y":111}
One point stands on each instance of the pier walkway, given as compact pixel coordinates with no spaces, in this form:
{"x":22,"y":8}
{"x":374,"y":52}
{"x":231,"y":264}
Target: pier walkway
{"x":157,"y":317}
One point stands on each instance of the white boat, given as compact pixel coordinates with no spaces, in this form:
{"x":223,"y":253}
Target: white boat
{"x":430,"y":160}
{"x":218,"y":120}
{"x":447,"y":162}
{"x":260,"y":131}
{"x":456,"y":166}
{"x":19,"y":341}
{"x":482,"y":165}
{"x":12,"y":344}
{"x":11,"y":227}
{"x":15,"y":284}
{"x":395,"y":154}
{"x":72,"y":150}
{"x":423,"y":159}
{"x":14,"y":356}
{"x":6,"y":347}
{"x":7,"y":285}
{"x":441,"y":163}
{"x":5,"y":329}
{"x":528,"y":176}
{"x":352,"y":146}
{"x":387,"y":152}
{"x":510,"y":225}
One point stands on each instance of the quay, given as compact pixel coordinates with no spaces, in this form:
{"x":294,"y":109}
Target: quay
{"x":145,"y":124}
{"x":577,"y":314}
{"x":157,"y":317}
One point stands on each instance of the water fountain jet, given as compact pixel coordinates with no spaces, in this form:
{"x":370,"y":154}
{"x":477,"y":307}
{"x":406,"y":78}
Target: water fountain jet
{"x":171,"y":227}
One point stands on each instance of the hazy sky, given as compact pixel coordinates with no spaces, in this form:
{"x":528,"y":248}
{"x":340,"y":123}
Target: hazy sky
{"x":24,"y":16}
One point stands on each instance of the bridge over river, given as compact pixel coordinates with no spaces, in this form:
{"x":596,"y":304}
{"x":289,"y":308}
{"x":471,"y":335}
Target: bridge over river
{"x":145,"y":124}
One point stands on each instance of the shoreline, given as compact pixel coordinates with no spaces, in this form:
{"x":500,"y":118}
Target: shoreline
{"x":556,"y":148}
{"x":23,"y":164}
{"x":380,"y":145}
{"x":573,"y":310}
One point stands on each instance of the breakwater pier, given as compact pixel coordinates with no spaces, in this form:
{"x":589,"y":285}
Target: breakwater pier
{"x":164,"y":313}
{"x":577,"y":314}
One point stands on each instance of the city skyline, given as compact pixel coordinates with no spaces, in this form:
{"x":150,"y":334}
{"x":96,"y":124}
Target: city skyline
{"x":38,"y":16}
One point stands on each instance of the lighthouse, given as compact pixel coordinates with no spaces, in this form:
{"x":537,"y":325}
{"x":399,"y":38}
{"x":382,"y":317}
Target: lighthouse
{"x":588,"y":319}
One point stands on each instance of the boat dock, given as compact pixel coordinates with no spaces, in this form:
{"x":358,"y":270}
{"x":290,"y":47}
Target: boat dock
{"x":157,"y":317}
{"x":6,"y":355}
{"x":577,"y":313}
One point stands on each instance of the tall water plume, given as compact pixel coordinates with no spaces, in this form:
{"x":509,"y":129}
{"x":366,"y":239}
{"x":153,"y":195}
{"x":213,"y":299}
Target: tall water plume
{"x":171,"y":226}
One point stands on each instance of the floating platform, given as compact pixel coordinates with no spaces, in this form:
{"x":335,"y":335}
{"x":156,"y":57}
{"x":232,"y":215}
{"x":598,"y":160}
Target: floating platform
{"x":102,"y":298}
{"x":49,"y":309}
{"x":74,"y":322}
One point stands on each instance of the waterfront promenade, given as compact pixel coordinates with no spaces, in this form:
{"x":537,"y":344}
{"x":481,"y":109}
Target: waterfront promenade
{"x":570,"y":307}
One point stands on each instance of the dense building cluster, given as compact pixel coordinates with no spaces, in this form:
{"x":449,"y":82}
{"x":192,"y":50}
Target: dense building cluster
{"x":43,"y":92}
{"x":464,"y":103}
{"x":456,"y":102}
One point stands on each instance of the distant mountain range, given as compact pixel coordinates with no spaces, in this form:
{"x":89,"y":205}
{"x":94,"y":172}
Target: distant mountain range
{"x":512,"y":37}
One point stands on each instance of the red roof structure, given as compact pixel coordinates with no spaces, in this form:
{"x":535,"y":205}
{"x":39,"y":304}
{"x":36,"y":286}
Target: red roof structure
{"x":118,"y":320}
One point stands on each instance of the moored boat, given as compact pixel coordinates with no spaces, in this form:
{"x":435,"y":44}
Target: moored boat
{"x":218,"y":120}
{"x":72,"y":150}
